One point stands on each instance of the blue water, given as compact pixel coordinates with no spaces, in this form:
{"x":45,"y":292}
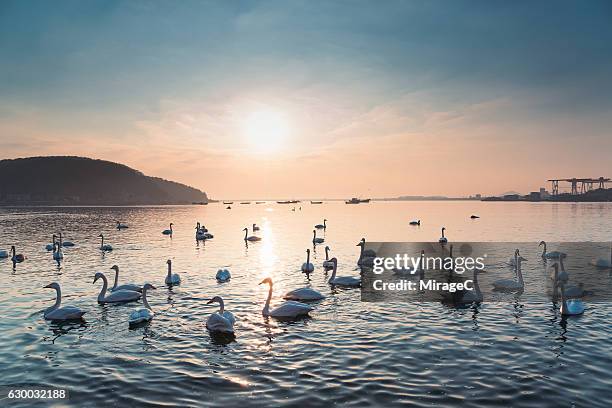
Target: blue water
{"x":350,"y":353}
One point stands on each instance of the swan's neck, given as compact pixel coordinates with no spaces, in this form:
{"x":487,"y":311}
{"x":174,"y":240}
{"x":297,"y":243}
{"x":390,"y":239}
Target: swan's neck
{"x":314,"y":235}
{"x":326,"y":254}
{"x":563,"y":302}
{"x":246,"y":233}
{"x":442,"y":232}
{"x":476,"y":286}
{"x":266,"y":309}
{"x":519,"y":273}
{"x":144,"y":299}
{"x":221,"y":307}
{"x":307,"y":258}
{"x":361,"y":251}
{"x":333,"y":275}
{"x":170,"y":227}
{"x":324,"y":223}
{"x":102,"y":243}
{"x":544,"y":250}
{"x":116,"y":278}
{"x":58,"y":301}
{"x":102,"y":294}
{"x":169,"y":271}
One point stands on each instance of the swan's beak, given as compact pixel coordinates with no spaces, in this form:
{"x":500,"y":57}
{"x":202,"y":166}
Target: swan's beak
{"x":153,"y":287}
{"x":209,"y":302}
{"x":48,"y":286}
{"x":95,"y":279}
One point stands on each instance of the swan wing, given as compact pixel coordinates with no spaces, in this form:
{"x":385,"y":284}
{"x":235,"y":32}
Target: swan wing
{"x":65,"y":313}
{"x":291,"y":309}
{"x":128,"y":286}
{"x":218,"y":323}
{"x":303,"y":294}
{"x":122,"y":296}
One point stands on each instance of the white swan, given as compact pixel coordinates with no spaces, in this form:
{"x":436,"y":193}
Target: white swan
{"x":327,"y":264}
{"x":303,"y":294}
{"x":288,"y":310}
{"x":348,"y":281}
{"x":466,"y":297}
{"x":415,"y":222}
{"x":255,"y":227}
{"x":316,"y":240}
{"x":58,"y":255}
{"x":172,"y":278}
{"x":16,"y":258}
{"x":168,"y":231}
{"x":512,"y":260}
{"x":511,"y":284}
{"x":366,"y":256}
{"x":127,"y":286}
{"x":443,"y":239}
{"x":121,"y":226}
{"x":221,"y":321}
{"x":56,"y":312}
{"x":250,"y":238}
{"x":223,"y":275}
{"x":322,"y":226}
{"x":569,"y":307}
{"x":552,"y":254}
{"x":307,"y":267}
{"x":603,"y":263}
{"x":104,"y":247}
{"x":563,"y":277}
{"x":146,"y":313}
{"x":50,"y":247}
{"x":118,"y":296}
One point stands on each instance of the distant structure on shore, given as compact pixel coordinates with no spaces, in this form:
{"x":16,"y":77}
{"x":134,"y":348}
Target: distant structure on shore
{"x":69,"y":180}
{"x":582,"y":189}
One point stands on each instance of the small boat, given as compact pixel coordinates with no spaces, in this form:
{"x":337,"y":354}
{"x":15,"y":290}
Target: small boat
{"x":356,"y":200}
{"x":228,"y":202}
{"x":245,"y":202}
{"x":260,"y":202}
{"x":288,"y":202}
{"x":316,"y":202}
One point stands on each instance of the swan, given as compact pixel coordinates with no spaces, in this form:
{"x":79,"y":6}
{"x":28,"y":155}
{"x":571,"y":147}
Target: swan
{"x":303,"y":294}
{"x":56,"y":312}
{"x":65,"y":243}
{"x":251,"y":238}
{"x":200,"y":233}
{"x":57,"y":252}
{"x":603,"y":263}
{"x":415,"y":222}
{"x":307,"y":267}
{"x":121,"y":226}
{"x":443,"y":239}
{"x":366,"y":256}
{"x":569,"y":307}
{"x":552,"y":254}
{"x":511,"y":284}
{"x":349,"y":281}
{"x":512,"y":260}
{"x":168,"y":231}
{"x":255,"y":227}
{"x":117,"y":296}
{"x":223,"y":275}
{"x":322,"y":226}
{"x":316,"y":240}
{"x":146,"y":313}
{"x":172,"y":278}
{"x":221,"y":321}
{"x":16,"y":258}
{"x":562,"y":277}
{"x":327,"y":264}
{"x":289,"y":309}
{"x":104,"y":247}
{"x":127,"y":286}
{"x":474,"y":217}
{"x":4,"y":253}
{"x":467,"y":297}
{"x":49,"y":247}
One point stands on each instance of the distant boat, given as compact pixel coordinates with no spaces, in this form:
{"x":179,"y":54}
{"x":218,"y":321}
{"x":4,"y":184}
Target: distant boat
{"x":288,"y":202}
{"x":316,"y":202}
{"x":245,"y":202}
{"x":199,"y":203}
{"x":259,"y":202}
{"x":356,"y":200}
{"x":228,"y":202}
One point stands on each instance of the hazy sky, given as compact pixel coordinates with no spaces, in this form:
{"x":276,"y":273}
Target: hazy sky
{"x":306,"y":98}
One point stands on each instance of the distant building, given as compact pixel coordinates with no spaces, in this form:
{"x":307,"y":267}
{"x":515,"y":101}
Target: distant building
{"x":478,"y":196}
{"x":511,"y":197}
{"x":534,"y":196}
{"x":544,"y":194}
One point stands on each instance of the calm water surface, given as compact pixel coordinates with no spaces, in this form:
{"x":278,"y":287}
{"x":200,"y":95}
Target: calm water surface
{"x":348,"y":352}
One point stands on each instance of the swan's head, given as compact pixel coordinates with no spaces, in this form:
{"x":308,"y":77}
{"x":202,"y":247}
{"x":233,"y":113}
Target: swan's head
{"x":115,"y":268}
{"x":169,"y":262}
{"x":245,"y":229}
{"x":53,"y":285}
{"x":362,"y":242}
{"x":267,"y":280}
{"x":217,"y":299}
{"x":327,"y":248}
{"x":324,"y":219}
{"x":98,"y":275}
{"x":542,"y":243}
{"x":443,"y":229}
{"x":308,"y":251}
{"x":148,"y":286}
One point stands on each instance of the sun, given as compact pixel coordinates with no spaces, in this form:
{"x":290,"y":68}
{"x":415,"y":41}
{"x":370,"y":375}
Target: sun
{"x":265,"y":131}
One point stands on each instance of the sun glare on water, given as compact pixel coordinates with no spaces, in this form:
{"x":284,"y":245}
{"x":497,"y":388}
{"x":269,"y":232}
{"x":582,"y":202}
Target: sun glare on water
{"x":265,"y":131}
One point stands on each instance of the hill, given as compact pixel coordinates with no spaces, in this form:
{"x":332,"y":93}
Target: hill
{"x":68,"y":180}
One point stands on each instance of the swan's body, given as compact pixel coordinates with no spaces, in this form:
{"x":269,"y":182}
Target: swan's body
{"x":255,"y":227}
{"x":103,"y":246}
{"x":307,"y":267}
{"x":415,"y":222}
{"x":16,"y":258}
{"x":168,"y":231}
{"x":603,"y":263}
{"x":250,"y":238}
{"x":562,"y":277}
{"x":466,"y":297}
{"x":127,"y":286}
{"x":172,"y":278}
{"x":51,"y":246}
{"x":570,"y":307}
{"x":303,"y":294}
{"x":511,"y":284}
{"x":223,"y":275}
{"x":552,"y":254}
{"x":121,"y":226}
{"x":443,"y":239}
{"x":348,"y":281}
{"x":64,"y":243}
{"x":56,"y":312}
{"x":146,"y":313}
{"x":327,"y":264}
{"x":119,"y":296}
{"x":322,"y":226}
{"x":221,"y":321}
{"x":58,"y":255}
{"x":316,"y":240}
{"x":288,"y":310}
